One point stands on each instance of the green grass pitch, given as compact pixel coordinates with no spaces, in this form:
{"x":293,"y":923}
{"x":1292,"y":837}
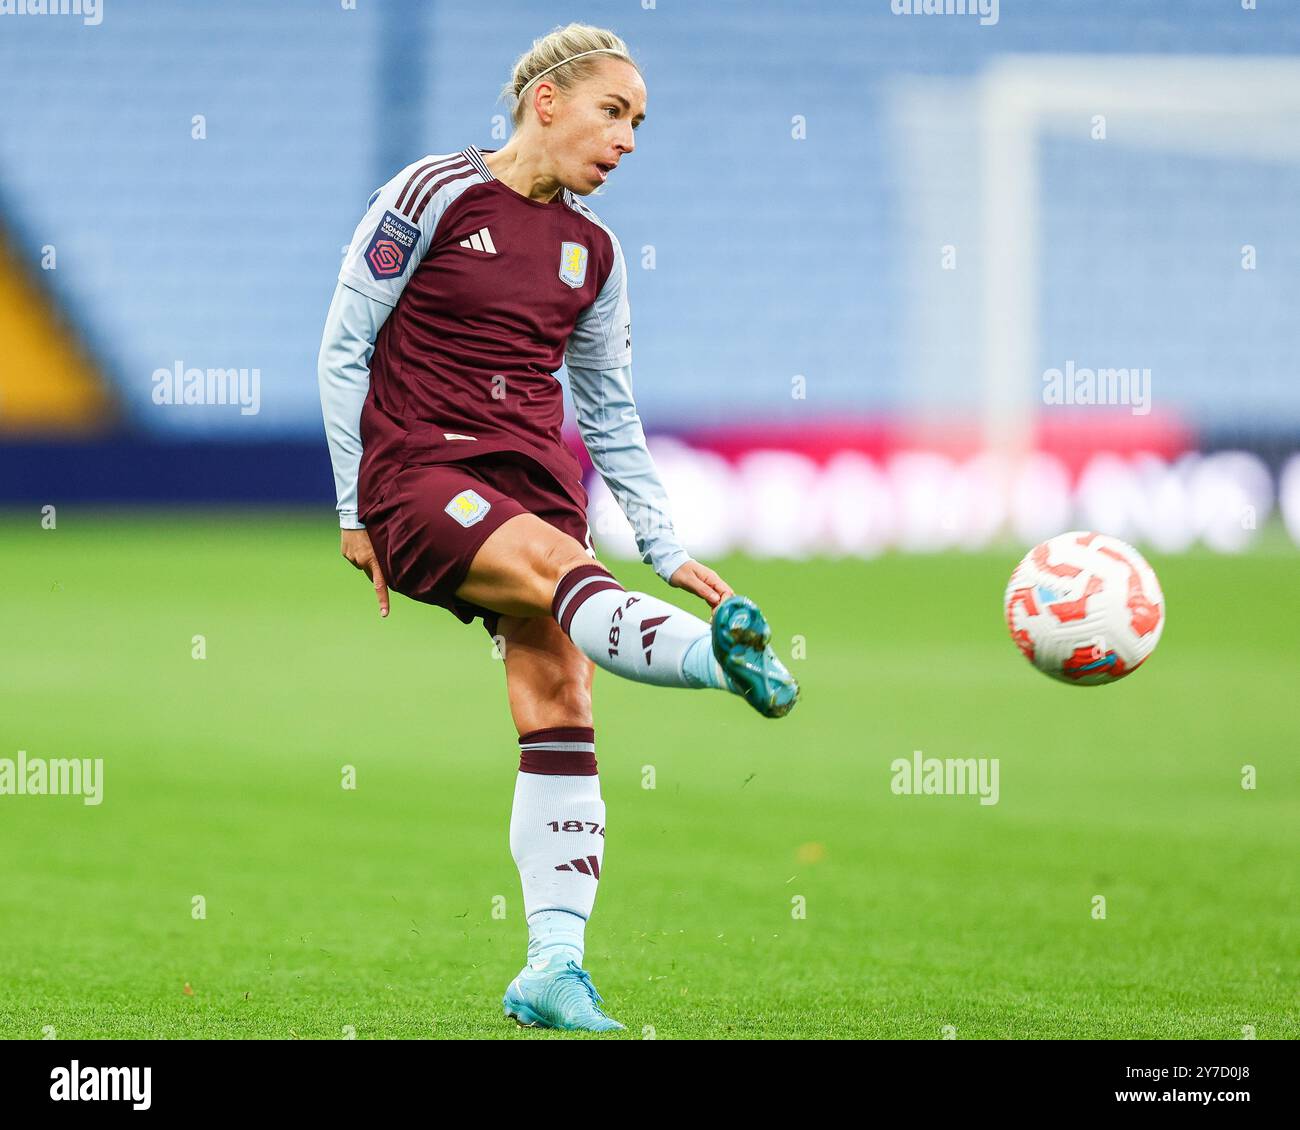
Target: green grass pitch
{"x":371,"y":911}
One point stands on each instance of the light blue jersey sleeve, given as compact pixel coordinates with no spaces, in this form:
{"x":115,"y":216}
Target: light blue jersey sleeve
{"x":399,"y":225}
{"x":602,"y":335}
{"x":343,"y":373}
{"x":612,"y":432}
{"x":599,"y":360}
{"x":392,"y":238}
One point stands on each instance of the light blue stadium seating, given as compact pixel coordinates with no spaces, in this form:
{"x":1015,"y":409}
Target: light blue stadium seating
{"x":772,"y":256}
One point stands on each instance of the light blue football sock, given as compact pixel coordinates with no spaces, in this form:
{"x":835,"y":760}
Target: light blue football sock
{"x":555,"y":935}
{"x":700,"y":667}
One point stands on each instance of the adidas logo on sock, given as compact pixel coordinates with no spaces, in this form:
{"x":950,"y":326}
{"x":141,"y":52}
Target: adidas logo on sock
{"x":589,"y":866}
{"x":481,"y":240}
{"x":648,"y":634}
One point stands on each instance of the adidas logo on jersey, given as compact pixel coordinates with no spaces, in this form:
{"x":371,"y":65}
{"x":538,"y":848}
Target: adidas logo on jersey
{"x":481,"y":240}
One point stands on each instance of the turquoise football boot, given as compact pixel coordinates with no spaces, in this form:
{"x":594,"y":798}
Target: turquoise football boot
{"x":740,"y":644}
{"x":559,"y":995}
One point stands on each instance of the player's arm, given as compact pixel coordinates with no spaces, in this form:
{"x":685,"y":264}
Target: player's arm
{"x":614,"y":437}
{"x":599,"y":360}
{"x":389,"y":241}
{"x":343,"y":373}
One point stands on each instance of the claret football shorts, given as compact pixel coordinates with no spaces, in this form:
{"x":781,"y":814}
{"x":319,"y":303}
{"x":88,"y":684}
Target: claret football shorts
{"x":431,"y":520}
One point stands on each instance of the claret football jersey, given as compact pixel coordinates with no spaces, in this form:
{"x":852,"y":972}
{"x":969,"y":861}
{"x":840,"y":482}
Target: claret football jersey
{"x":490,"y":291}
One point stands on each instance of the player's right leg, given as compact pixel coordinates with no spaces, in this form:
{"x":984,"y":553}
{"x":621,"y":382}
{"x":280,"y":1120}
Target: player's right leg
{"x":557,"y":823}
{"x":527,"y":567}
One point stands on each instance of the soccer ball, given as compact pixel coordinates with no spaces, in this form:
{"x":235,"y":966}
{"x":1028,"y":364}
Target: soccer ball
{"x":1085,"y":608}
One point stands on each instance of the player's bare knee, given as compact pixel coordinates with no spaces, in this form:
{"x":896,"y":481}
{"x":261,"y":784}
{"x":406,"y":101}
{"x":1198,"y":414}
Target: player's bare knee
{"x":560,"y":554}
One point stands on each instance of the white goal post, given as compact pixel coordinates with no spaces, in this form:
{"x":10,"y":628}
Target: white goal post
{"x":1208,"y":105}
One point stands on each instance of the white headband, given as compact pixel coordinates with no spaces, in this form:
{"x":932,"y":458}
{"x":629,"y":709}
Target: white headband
{"x":594,"y":51}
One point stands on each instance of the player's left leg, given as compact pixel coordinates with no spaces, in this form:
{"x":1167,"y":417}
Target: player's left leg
{"x":557,"y":822}
{"x":527,"y":567}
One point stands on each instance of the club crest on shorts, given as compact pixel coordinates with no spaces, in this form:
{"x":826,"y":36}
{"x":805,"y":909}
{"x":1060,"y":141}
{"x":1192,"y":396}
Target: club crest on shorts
{"x":468,"y":507}
{"x":573,"y":263}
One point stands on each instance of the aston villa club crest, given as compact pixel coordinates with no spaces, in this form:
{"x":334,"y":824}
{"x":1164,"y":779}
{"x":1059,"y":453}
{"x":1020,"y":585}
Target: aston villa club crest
{"x":468,"y":507}
{"x":573,"y":264}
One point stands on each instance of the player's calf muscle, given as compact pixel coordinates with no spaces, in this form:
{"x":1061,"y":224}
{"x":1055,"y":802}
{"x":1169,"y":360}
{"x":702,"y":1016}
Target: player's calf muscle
{"x":540,"y":703}
{"x":548,"y":680}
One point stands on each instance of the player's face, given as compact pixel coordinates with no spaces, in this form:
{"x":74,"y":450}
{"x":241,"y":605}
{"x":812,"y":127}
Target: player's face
{"x":599,"y":121}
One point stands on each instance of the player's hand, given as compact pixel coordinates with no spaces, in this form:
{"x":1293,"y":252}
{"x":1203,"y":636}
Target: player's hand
{"x":703,"y":582}
{"x":356,"y":547}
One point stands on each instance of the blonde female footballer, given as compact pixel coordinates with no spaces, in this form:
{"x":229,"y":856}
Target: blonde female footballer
{"x":471,"y":277}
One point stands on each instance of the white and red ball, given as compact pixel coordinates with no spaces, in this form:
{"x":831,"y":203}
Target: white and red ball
{"x":1085,"y":608}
